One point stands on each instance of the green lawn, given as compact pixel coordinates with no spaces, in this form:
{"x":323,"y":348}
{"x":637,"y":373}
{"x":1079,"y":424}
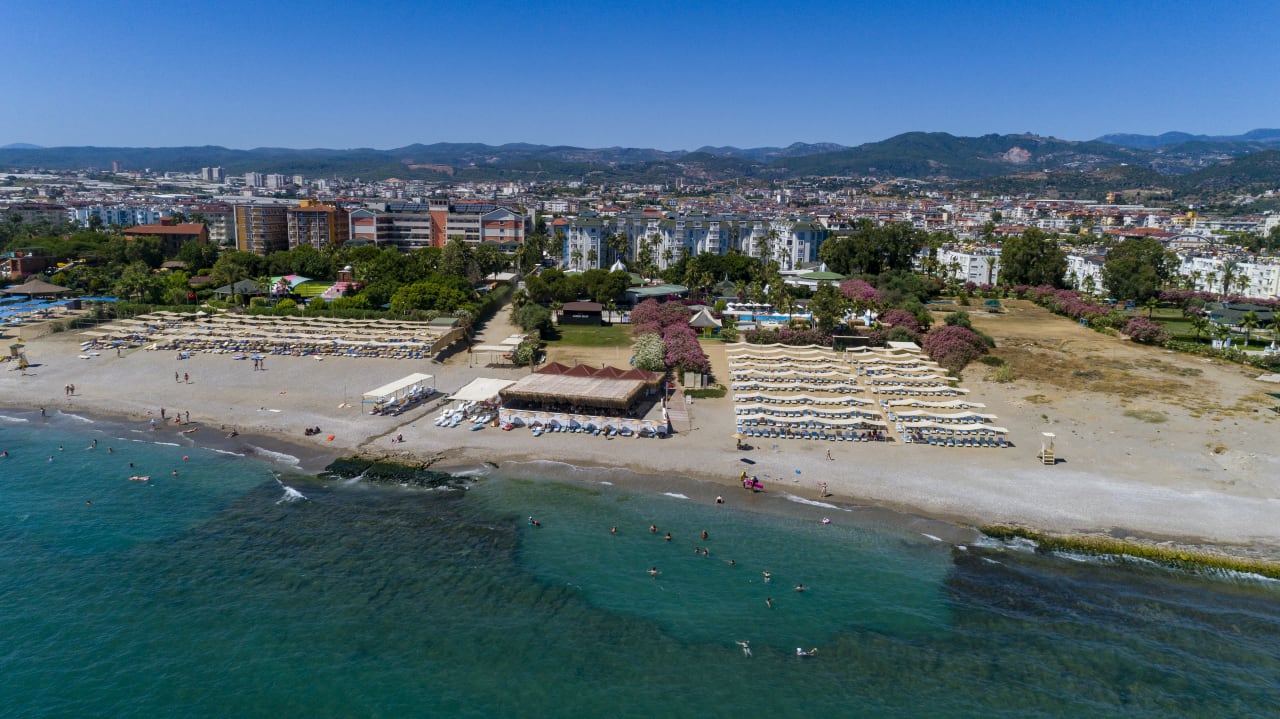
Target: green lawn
{"x":584,"y":336}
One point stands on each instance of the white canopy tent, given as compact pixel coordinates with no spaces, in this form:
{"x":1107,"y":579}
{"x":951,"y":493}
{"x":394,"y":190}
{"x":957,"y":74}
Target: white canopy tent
{"x":395,"y":390}
{"x":481,"y":389}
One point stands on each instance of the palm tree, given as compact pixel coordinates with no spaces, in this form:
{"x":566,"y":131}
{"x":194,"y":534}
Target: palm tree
{"x":1196,"y":275}
{"x":1249,"y":322}
{"x":591,"y":258}
{"x":1242,"y":283}
{"x":1090,"y":284}
{"x":1228,"y":275}
{"x":575,"y":257}
{"x":1199,"y":323}
{"x":1220,"y":332}
{"x":1150,"y":306}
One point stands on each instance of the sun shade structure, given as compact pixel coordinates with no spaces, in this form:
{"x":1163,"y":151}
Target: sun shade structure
{"x":481,"y":389}
{"x":35,"y":286}
{"x":582,"y":385}
{"x":394,"y":390}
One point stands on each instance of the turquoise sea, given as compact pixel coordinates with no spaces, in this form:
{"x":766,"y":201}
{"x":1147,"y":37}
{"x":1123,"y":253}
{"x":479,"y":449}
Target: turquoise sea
{"x":241,"y":589}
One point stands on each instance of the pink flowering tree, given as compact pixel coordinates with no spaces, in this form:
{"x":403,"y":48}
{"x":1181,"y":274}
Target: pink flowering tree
{"x":861,"y":294}
{"x":953,"y":347}
{"x":1146,"y":331}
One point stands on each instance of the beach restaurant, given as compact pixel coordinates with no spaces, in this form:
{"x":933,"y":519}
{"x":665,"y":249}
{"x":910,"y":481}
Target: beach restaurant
{"x":582,"y":387}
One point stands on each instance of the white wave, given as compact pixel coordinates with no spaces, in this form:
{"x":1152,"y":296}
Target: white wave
{"x":167,"y":444}
{"x":291,"y":495}
{"x":930,"y":536}
{"x":475,"y":472}
{"x":812,"y":502}
{"x":607,"y":484}
{"x":989,"y":560}
{"x":227,"y":451}
{"x":77,"y":417}
{"x":677,"y":495}
{"x":14,"y":420}
{"x":275,"y":456}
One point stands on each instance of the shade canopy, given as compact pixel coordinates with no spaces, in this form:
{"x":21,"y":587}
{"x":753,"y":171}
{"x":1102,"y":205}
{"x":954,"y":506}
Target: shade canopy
{"x":36,"y":286}
{"x":393,"y":389}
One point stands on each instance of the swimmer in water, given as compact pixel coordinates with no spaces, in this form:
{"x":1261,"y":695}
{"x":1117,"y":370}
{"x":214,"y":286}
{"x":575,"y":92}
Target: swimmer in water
{"x":653,"y":571}
{"x":746,"y":648}
{"x":732,"y":563}
{"x":653,"y":529}
{"x":768,"y":576}
{"x":613,"y":530}
{"x":706,"y":552}
{"x":668,"y":537}
{"x":719,"y":500}
{"x":799,"y":587}
{"x":768,"y":602}
{"x":704,"y":534}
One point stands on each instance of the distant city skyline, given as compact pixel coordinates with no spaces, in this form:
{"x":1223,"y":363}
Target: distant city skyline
{"x":670,"y":76}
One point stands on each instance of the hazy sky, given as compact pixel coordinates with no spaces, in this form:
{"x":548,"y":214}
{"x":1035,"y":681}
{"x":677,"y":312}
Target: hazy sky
{"x":672,"y":75}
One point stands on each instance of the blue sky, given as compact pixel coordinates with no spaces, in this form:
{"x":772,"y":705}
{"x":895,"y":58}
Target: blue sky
{"x":672,"y":75}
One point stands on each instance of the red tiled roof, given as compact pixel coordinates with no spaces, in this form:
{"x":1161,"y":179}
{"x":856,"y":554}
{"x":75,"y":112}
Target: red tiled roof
{"x":185,"y":228}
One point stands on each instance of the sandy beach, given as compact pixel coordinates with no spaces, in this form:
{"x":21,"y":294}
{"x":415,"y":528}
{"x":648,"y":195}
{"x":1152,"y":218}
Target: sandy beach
{"x":1153,"y":445}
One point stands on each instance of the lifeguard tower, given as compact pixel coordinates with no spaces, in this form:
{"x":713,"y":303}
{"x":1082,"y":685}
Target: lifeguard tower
{"x":1046,"y":449}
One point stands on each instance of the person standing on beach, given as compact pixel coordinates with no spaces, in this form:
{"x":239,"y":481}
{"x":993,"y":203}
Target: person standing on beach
{"x":162,"y":413}
{"x":186,"y":378}
{"x":175,"y":377}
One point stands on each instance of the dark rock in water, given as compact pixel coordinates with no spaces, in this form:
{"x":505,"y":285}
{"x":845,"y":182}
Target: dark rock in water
{"x":387,"y":472}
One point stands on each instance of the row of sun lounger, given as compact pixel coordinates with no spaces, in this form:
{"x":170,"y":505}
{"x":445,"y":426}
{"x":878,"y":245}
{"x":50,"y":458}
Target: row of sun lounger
{"x":953,"y":441}
{"x":829,"y":435}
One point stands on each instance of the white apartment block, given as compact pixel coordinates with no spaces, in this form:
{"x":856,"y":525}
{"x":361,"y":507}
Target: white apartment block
{"x":1083,"y":268}
{"x":980,"y":265}
{"x":1258,"y":277}
{"x":121,"y":215}
{"x":670,"y":237}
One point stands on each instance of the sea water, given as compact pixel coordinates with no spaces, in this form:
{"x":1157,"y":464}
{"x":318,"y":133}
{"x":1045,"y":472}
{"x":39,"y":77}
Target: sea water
{"x":238,"y":589}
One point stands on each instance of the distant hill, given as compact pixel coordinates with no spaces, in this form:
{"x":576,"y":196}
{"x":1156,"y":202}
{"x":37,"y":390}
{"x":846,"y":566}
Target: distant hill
{"x":20,"y":146}
{"x":941,"y":155}
{"x":1151,"y":142}
{"x":766,"y":154}
{"x":1253,"y":173}
{"x":1003,"y":163}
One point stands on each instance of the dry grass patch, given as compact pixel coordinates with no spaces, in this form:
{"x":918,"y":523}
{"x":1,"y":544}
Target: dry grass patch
{"x":1037,"y":399}
{"x":1147,"y":415}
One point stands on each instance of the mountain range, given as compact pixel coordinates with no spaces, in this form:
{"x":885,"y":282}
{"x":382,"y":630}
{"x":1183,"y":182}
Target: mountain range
{"x":1173,"y":161}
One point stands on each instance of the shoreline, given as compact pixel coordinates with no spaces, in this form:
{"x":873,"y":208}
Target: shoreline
{"x":1187,"y":480}
{"x":1174,"y":552}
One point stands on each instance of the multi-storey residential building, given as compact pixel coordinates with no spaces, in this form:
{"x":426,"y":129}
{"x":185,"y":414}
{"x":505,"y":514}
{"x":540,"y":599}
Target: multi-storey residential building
{"x":1084,"y":271}
{"x":122,"y":215}
{"x":980,"y":265}
{"x":276,"y":182}
{"x":666,"y":238}
{"x":35,"y":212}
{"x":253,"y":179}
{"x":261,"y":228}
{"x":317,"y":224}
{"x":213,"y":174}
{"x":406,"y":225}
{"x":220,"y":218}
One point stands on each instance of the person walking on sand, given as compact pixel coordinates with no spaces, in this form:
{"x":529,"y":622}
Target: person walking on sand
{"x":175,"y":377}
{"x":186,"y":378}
